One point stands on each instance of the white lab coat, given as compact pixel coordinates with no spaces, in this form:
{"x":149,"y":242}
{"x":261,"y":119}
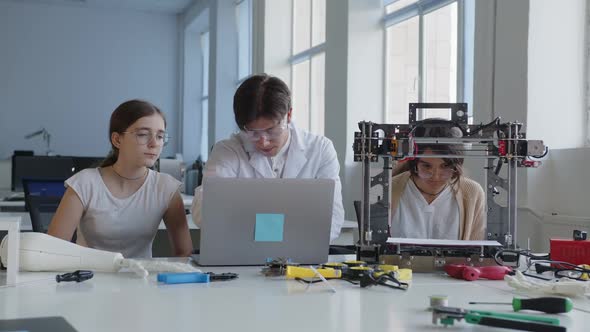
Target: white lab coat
{"x":309,"y":157}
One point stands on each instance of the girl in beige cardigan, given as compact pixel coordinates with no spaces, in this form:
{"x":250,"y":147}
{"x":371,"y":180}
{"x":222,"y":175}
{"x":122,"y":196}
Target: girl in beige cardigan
{"x":431,"y":176}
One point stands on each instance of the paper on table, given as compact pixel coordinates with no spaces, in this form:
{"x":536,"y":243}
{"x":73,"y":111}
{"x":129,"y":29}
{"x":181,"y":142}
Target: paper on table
{"x":437,"y":242}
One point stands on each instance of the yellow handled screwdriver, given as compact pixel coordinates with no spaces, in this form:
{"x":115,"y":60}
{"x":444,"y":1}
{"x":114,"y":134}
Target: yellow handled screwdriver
{"x":550,"y":305}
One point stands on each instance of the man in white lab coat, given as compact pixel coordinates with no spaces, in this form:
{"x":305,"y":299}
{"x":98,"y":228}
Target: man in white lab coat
{"x":270,"y":146}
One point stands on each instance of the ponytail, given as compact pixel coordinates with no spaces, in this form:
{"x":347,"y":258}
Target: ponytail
{"x":111,"y":158}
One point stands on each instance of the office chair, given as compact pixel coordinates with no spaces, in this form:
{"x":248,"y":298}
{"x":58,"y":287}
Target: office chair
{"x":42,"y":198}
{"x":41,"y":210}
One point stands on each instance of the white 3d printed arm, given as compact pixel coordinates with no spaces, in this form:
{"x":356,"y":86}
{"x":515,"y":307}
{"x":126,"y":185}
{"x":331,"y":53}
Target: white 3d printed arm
{"x":42,"y":252}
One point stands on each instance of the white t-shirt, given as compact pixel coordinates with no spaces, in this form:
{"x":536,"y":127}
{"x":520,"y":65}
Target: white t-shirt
{"x":415,"y":218}
{"x":277,"y":163}
{"x":125,"y":225}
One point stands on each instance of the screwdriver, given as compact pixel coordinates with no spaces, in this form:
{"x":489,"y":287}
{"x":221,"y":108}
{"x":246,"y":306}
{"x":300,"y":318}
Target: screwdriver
{"x":550,"y":305}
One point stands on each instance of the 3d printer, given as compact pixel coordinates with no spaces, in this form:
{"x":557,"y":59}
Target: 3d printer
{"x":500,"y":144}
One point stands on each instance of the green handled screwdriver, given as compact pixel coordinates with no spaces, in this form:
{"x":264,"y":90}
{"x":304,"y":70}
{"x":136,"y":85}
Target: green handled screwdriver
{"x":550,"y":305}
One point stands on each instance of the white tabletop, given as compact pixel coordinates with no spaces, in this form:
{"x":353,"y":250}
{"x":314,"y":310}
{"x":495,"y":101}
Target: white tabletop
{"x":26,"y":220}
{"x":123,"y":302}
{"x":187,"y":200}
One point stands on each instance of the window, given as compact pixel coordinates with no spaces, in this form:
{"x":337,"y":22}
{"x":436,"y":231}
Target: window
{"x":422,"y":56}
{"x":587,"y":81}
{"x":308,"y":64}
{"x":205,"y":97}
{"x":244,"y":26}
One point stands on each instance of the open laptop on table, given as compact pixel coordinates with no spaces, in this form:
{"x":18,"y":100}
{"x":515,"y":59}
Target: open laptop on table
{"x":246,"y":221}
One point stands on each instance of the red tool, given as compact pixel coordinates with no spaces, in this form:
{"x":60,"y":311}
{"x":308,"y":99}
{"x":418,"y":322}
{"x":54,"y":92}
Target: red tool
{"x":470,"y":273}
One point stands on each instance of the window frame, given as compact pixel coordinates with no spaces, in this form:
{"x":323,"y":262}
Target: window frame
{"x":307,"y":55}
{"x":587,"y":78}
{"x":249,"y":42}
{"x":205,"y":53}
{"x":419,"y":9}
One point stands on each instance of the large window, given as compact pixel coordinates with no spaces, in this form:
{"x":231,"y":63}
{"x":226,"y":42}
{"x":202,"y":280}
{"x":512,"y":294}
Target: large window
{"x":205,"y":97}
{"x":422,"y":56}
{"x":244,"y":30}
{"x":308,"y":64}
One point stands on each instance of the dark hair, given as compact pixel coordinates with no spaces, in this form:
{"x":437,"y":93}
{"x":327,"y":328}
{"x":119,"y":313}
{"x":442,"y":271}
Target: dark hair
{"x":261,"y":95}
{"x":436,"y":127}
{"x":123,"y":117}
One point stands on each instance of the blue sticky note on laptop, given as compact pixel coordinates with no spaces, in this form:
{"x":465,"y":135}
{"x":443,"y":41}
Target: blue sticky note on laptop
{"x":269,"y":227}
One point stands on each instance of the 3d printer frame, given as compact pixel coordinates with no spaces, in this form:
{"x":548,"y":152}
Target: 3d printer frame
{"x":499,"y":143}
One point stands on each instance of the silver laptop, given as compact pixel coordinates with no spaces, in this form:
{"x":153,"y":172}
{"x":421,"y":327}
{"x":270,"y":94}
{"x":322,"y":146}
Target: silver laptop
{"x":247,"y":221}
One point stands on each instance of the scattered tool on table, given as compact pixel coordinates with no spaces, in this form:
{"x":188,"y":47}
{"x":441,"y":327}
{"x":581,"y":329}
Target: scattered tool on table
{"x":448,"y":315}
{"x":77,"y":276}
{"x":195,"y":277}
{"x":470,"y":273}
{"x":550,"y":305}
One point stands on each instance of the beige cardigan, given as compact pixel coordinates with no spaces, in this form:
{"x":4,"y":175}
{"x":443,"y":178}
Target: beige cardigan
{"x":471,"y":200}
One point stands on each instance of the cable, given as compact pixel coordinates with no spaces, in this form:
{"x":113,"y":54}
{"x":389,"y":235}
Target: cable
{"x":313,"y":281}
{"x":541,"y":156}
{"x":518,"y":253}
{"x":481,"y":127}
{"x":370,"y":280}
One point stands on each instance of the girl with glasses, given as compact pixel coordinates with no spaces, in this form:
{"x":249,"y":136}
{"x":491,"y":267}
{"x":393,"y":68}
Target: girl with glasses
{"x":119,"y":205}
{"x":431,"y":197}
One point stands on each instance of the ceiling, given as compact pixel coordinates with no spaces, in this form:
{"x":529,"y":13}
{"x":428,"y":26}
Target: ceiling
{"x":158,"y":6}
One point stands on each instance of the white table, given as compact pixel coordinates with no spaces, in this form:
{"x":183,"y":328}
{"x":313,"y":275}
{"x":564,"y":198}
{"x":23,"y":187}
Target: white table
{"x":122,"y":302}
{"x":12,"y":226}
{"x":26,"y":220}
{"x":348,"y":234}
{"x":187,"y":200}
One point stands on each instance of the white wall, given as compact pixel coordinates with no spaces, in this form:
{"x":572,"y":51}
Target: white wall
{"x":499,"y":78}
{"x":193,"y":23}
{"x":277,"y":39}
{"x":336,"y":85}
{"x":67,"y":68}
{"x":556,"y":106}
{"x":556,"y":75}
{"x":558,"y":190}
{"x":218,"y":17}
{"x":223,"y":69}
{"x":365,"y":94}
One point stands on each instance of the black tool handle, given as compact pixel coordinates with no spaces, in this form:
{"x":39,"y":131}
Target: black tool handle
{"x":520,"y":325}
{"x":550,"y":305}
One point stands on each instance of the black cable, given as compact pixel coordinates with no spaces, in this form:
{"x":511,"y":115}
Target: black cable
{"x":522,"y":252}
{"x":498,"y":167}
{"x":481,"y":127}
{"x":308,"y":281}
{"x":313,"y":281}
{"x":541,"y":156}
{"x":370,"y":280}
{"x":559,"y":268}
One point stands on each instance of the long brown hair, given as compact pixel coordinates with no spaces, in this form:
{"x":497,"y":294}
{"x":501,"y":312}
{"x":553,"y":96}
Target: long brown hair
{"x":122,"y":118}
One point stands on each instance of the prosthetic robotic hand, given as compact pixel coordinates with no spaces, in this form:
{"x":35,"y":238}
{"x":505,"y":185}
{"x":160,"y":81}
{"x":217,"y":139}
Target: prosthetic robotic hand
{"x":42,"y":252}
